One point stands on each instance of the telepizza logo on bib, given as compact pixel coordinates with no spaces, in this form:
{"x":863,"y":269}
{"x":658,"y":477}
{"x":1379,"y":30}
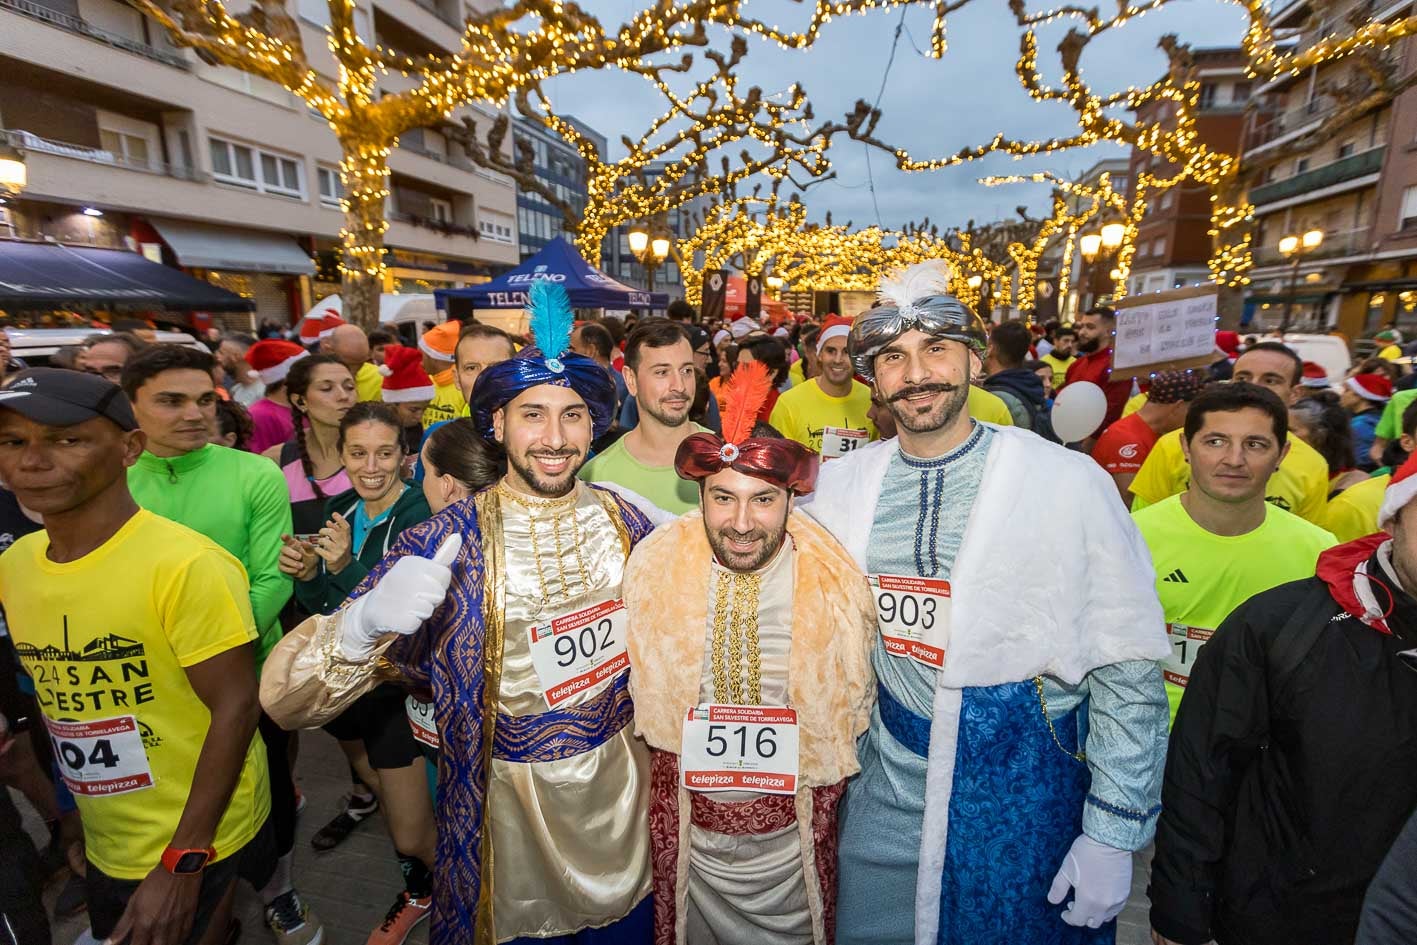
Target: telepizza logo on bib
{"x":108,"y":672}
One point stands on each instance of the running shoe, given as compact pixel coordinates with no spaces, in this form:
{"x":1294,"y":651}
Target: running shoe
{"x":292,"y":922}
{"x":356,"y":810}
{"x":402,"y":918}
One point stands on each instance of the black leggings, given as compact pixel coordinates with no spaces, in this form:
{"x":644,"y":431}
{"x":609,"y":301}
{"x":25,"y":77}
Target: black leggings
{"x":277,"y":742}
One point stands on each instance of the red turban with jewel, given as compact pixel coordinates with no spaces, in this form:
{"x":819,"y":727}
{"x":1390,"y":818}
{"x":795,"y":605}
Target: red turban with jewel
{"x":782,"y":462}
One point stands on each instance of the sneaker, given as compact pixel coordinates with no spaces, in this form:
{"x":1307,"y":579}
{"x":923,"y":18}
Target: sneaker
{"x":402,"y":918}
{"x":356,"y":810}
{"x":292,"y":922}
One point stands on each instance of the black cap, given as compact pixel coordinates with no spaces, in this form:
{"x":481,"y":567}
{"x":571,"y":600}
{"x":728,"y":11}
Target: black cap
{"x":59,"y":398}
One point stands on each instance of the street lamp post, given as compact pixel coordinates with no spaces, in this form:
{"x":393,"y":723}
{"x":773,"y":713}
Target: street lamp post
{"x":1295,"y":247}
{"x":650,"y":251}
{"x":1095,"y":246}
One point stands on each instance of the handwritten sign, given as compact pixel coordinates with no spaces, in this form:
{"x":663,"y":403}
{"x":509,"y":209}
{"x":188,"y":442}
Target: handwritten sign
{"x":1162,"y":329}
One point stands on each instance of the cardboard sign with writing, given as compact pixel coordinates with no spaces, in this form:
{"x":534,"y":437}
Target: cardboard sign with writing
{"x":1164,"y":331}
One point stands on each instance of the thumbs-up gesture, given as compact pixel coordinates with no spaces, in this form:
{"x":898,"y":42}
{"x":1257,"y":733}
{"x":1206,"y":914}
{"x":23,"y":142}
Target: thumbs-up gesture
{"x":404,"y":597}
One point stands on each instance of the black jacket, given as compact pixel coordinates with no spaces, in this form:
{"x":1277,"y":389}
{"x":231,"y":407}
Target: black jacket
{"x":1292,"y":765}
{"x":1025,"y":387}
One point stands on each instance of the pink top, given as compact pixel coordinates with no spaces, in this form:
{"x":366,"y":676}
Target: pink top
{"x":302,"y":491}
{"x":272,"y":425}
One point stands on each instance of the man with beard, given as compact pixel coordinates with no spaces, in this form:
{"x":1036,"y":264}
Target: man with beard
{"x":659,"y":374}
{"x":1020,"y":758}
{"x":516,"y":630}
{"x":828,"y":412}
{"x":1094,"y":362}
{"x":769,"y":624}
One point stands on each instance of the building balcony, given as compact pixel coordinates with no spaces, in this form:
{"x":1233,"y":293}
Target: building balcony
{"x":1345,"y":169}
{"x":424,"y":235}
{"x":80,"y":27}
{"x":32,"y":144}
{"x":1335,"y":246}
{"x":427,"y":19}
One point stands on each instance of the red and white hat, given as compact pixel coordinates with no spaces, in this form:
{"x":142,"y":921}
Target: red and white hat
{"x":836,"y":326}
{"x":405,"y":381}
{"x":272,"y":358}
{"x":316,"y":328}
{"x":1314,"y":376}
{"x":1400,"y":491}
{"x":1374,"y":387}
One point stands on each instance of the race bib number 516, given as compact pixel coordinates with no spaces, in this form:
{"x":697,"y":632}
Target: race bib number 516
{"x":739,"y":748}
{"x":101,"y":758}
{"x":578,"y":651}
{"x":914,"y":616}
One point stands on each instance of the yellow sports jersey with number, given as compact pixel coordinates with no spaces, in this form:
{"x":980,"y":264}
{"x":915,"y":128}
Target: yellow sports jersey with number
{"x":107,"y":639}
{"x":988,"y":407}
{"x":1300,"y":486}
{"x":1201,"y":577}
{"x":1353,"y":513}
{"x":816,"y":419}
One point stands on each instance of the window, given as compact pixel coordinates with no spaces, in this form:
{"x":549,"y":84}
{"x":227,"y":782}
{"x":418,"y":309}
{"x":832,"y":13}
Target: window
{"x":259,"y":170}
{"x":440,"y":210}
{"x":1240,"y":93}
{"x":1158,"y":246}
{"x":1167,"y":199}
{"x":331,"y":189}
{"x":1409,"y":208}
{"x":315,"y":11}
{"x":1207,"y":95}
{"x":1301,"y":165}
{"x":1346,"y":148}
{"x":126,"y":149}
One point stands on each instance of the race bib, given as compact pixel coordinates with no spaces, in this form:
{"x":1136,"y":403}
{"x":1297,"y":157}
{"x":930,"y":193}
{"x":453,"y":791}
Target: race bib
{"x":577,"y":652}
{"x":420,"y":719}
{"x":102,"y":757}
{"x":739,"y":748}
{"x":1186,"y":642}
{"x":914,"y":616}
{"x":838,"y":441}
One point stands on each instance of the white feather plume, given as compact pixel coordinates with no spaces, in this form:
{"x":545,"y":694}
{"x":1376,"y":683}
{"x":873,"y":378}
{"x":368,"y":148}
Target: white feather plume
{"x":904,"y":286}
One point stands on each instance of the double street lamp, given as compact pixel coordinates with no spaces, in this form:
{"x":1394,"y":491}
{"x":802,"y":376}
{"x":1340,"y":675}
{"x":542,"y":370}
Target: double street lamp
{"x":1294,"y":247}
{"x":1102,"y":243}
{"x":650,"y":251}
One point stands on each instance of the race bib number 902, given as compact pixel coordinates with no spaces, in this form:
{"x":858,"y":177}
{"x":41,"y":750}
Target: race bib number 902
{"x":578,"y":651}
{"x":102,"y":757}
{"x":739,"y":748}
{"x":914,"y":616}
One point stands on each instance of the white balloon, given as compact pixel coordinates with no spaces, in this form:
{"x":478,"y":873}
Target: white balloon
{"x":1079,"y":411}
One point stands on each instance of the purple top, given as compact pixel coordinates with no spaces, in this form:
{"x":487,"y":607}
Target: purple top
{"x":272,"y":425}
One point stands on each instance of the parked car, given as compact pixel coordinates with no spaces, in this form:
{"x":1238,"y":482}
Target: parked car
{"x":33,"y":347}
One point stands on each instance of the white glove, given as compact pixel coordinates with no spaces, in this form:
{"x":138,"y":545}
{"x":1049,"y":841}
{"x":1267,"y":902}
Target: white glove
{"x":1101,"y":879}
{"x":404,"y":597}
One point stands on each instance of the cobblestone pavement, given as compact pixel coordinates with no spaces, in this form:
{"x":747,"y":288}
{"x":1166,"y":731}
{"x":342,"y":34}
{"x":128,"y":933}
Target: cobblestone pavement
{"x":351,"y":888}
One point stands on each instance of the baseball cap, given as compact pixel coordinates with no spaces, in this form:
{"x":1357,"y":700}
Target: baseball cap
{"x":59,"y":398}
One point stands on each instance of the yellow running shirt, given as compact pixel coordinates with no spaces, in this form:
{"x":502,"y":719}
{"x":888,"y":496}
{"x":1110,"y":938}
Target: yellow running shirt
{"x":1353,"y":513}
{"x":369,"y":382}
{"x":447,"y":402}
{"x":106,"y":639}
{"x":1300,"y":485}
{"x":811,"y":416}
{"x":1201,"y":576}
{"x":988,"y":407}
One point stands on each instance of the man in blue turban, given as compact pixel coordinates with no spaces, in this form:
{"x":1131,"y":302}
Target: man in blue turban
{"x":507,"y":608}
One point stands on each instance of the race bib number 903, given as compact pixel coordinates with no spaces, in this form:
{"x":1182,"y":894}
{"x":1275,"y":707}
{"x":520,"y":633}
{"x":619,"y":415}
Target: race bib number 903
{"x":914,"y":616}
{"x":739,"y":748}
{"x":102,"y":757}
{"x":578,"y":651}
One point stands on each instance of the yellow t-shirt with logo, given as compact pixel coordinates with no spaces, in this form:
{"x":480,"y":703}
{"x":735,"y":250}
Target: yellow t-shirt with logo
{"x":1353,"y":513}
{"x":989,"y":407}
{"x":369,"y":382}
{"x":106,"y":639}
{"x":1300,"y":485}
{"x":804,"y":413}
{"x":447,"y":404}
{"x":1201,"y":577}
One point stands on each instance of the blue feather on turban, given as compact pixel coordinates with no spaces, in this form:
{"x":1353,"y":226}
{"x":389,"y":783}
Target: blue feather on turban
{"x":549,"y":361}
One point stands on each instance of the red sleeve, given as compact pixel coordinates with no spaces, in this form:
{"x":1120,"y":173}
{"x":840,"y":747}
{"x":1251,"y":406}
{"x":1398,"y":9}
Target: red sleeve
{"x":1118,"y":450}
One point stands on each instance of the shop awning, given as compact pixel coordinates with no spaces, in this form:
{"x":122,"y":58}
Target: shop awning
{"x":52,"y":275}
{"x":203,"y":246}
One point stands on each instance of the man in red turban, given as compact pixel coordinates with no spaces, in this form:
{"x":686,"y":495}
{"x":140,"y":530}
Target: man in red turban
{"x":751,"y":677}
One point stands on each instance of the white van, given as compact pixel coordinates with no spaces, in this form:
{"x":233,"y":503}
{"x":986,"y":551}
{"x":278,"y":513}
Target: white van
{"x":35,"y":346}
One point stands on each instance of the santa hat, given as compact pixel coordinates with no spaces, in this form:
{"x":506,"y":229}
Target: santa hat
{"x":316,"y":328}
{"x":1314,"y":376}
{"x":720,"y":336}
{"x":1400,"y":491}
{"x":441,"y":341}
{"x":405,"y":381}
{"x":836,"y":326}
{"x":1374,"y":387}
{"x":1229,"y":342}
{"x":272,"y":358}
{"x":742,"y":327}
{"x":781,"y":332}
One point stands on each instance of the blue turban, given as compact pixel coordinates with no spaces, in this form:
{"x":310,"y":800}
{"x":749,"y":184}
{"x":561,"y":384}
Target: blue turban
{"x":551,"y":319}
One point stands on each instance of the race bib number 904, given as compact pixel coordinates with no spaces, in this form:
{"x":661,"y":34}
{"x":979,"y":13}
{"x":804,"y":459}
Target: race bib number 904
{"x":101,"y":758}
{"x":576,"y":652}
{"x":739,"y":748}
{"x":914,"y":616}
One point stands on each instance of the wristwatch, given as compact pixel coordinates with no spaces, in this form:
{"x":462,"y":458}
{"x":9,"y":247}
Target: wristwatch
{"x":186,"y":862}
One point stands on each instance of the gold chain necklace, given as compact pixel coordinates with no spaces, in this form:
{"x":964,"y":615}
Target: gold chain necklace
{"x":736,"y":634}
{"x":556,"y":510}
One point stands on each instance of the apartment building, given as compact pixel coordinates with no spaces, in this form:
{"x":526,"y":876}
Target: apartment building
{"x":559,"y":167}
{"x":1173,"y":239}
{"x":132,"y":142}
{"x":1357,"y":187}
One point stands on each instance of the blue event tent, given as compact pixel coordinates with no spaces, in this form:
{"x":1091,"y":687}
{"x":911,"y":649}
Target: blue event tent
{"x":557,"y":262}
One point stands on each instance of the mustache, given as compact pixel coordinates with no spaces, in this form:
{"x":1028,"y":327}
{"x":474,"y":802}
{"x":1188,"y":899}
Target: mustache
{"x":922,"y":389}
